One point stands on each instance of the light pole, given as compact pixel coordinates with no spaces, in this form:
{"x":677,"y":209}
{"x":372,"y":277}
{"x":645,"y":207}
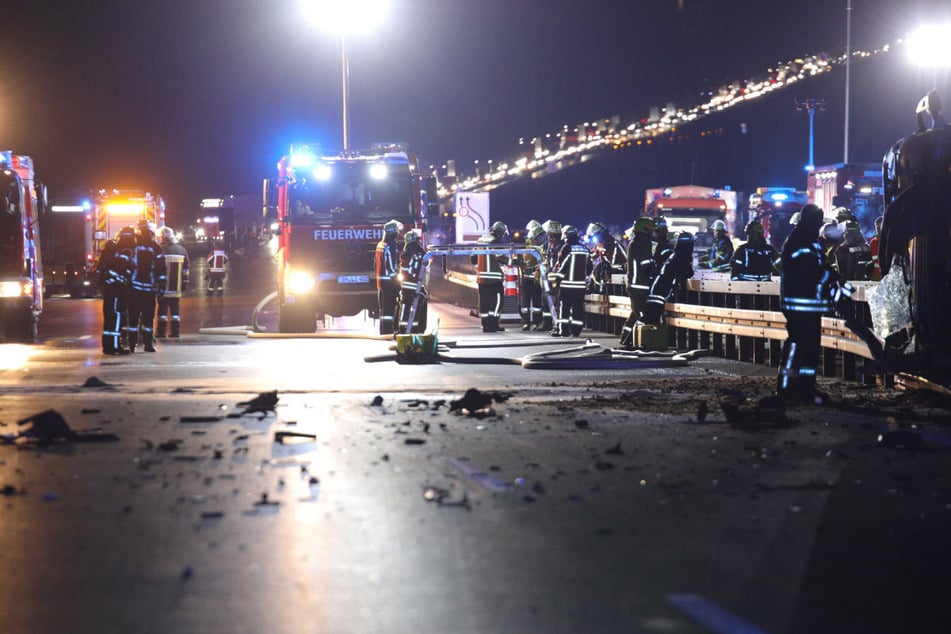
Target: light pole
{"x":343,"y":18}
{"x":931,"y":46}
{"x":848,"y":76}
{"x":810,"y":105}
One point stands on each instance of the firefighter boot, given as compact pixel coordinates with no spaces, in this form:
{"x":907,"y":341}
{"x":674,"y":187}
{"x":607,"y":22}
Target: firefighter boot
{"x":133,"y":337}
{"x":160,"y":328}
{"x":148,"y":342}
{"x":176,"y":330}
{"x":108,"y":345}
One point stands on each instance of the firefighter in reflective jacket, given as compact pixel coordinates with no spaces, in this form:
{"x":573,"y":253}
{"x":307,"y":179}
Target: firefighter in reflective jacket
{"x":675,"y":270}
{"x":489,"y":279}
{"x":530,"y":287}
{"x":804,"y":291}
{"x":217,"y":260}
{"x":550,"y":253}
{"x":662,"y":248}
{"x":755,"y":260}
{"x":721,"y":253}
{"x":640,"y":275}
{"x":176,"y":280}
{"x":148,"y":280}
{"x":411,"y":271}
{"x":387,"y":276}
{"x":608,"y":255}
{"x":573,"y":270}
{"x":115,"y":275}
{"x":853,"y":258}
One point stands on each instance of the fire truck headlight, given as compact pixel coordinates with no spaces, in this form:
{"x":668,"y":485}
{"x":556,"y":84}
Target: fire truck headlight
{"x":378,"y":171}
{"x":14,"y":289}
{"x":300,"y":282}
{"x":323,"y":172}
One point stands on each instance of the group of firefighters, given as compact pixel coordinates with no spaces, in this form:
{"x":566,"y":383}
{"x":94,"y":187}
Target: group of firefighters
{"x":815,"y":270}
{"x":140,"y":275}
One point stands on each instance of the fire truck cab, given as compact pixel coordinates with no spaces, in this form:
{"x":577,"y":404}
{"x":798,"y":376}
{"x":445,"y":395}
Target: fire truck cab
{"x":330,"y":213}
{"x":22,"y":202}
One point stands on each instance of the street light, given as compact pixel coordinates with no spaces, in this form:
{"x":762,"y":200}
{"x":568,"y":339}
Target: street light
{"x":931,"y":46}
{"x":810,"y":105}
{"x":343,"y":18}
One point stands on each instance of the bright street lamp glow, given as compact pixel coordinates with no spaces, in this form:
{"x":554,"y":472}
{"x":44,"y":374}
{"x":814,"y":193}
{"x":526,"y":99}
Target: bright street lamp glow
{"x":931,"y":46}
{"x":345,"y":16}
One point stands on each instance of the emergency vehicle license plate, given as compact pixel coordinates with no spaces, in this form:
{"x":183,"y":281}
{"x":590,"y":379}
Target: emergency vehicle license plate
{"x":353,"y":279}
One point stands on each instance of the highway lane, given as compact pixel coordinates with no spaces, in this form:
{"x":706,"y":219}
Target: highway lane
{"x":589,"y":500}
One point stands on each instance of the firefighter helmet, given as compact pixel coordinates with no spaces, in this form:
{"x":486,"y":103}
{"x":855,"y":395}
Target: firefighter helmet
{"x":810,"y":216}
{"x":411,"y":236}
{"x":842,"y":214}
{"x":531,"y":226}
{"x":643,"y":225}
{"x":499,"y":227}
{"x":391,"y":228}
{"x":684,"y":237}
{"x":552,"y":227}
{"x":755,"y":226}
{"x":660,"y":222}
{"x":168,"y":235}
{"x":595,"y":229}
{"x":718,"y":225}
{"x":536,"y":232}
{"x":569,"y":231}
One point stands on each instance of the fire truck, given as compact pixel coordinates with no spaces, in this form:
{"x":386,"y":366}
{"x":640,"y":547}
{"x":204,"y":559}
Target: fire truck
{"x":113,"y":209}
{"x":693,"y":208}
{"x":331,"y":209}
{"x":775,"y":207}
{"x":22,"y":203}
{"x":857,"y":186}
{"x":65,"y":246}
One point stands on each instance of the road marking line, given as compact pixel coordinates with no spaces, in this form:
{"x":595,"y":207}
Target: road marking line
{"x":710,"y":614}
{"x":482,"y":478}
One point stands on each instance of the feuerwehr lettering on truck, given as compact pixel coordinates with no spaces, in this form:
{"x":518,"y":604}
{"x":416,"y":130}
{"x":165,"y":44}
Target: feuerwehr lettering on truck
{"x":348,"y":234}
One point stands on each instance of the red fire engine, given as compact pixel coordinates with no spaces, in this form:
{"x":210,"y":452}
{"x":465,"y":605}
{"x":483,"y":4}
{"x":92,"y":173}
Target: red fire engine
{"x":330,"y":212}
{"x":22,"y":202}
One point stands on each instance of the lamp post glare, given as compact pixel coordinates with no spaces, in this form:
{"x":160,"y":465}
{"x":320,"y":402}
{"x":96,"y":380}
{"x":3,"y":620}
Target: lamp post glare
{"x":343,"y":18}
{"x":930,"y":46}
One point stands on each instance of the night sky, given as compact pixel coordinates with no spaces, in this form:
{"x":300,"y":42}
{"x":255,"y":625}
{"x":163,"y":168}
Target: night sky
{"x":199,"y":98}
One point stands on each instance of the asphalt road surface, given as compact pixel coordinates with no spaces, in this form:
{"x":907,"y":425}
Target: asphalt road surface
{"x":617,"y":498}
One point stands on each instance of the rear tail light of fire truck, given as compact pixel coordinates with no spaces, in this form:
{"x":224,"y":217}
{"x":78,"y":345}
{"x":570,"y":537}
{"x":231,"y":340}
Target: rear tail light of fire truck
{"x":300,"y":282}
{"x":16,"y":289}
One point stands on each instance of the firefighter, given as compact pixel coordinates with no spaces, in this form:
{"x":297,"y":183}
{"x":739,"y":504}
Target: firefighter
{"x":640,"y":274}
{"x":804,"y":291}
{"x":853,"y":257}
{"x":843,"y":214}
{"x":607,"y":254}
{"x":387,"y":276}
{"x":675,"y":270}
{"x":217,"y":261}
{"x":411,"y":271}
{"x":721,"y":253}
{"x":148,"y":280}
{"x":530,"y":306}
{"x":573,"y":271}
{"x":551,"y":251}
{"x":662,"y":248}
{"x":755,"y":260}
{"x":176,"y":280}
{"x":115,"y":275}
{"x":489,"y":279}
{"x":830,"y":237}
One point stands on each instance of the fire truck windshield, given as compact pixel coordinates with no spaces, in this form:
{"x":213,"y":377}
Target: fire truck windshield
{"x":351,"y":193}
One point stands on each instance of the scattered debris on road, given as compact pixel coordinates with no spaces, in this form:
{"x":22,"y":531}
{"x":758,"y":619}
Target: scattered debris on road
{"x":264,"y":403}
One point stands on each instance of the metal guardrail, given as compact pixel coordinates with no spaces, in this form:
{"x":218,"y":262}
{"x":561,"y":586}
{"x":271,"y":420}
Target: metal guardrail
{"x":739,"y":320}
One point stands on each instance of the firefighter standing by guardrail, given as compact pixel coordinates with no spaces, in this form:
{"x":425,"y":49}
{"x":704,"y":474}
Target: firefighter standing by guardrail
{"x":387,"y":260}
{"x":573,"y":271}
{"x":721,"y":253}
{"x":411,"y":269}
{"x":640,"y":275}
{"x":755,"y":260}
{"x":489,"y":279}
{"x":675,"y":270}
{"x":531,"y":307}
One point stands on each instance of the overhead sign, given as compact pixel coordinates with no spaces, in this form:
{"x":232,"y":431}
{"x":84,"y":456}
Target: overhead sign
{"x":472,"y":216}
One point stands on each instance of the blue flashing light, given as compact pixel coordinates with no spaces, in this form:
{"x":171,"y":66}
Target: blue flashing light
{"x":668,"y":192}
{"x":86,"y":205}
{"x":809,"y":167}
{"x":378,"y":171}
{"x":778,"y":196}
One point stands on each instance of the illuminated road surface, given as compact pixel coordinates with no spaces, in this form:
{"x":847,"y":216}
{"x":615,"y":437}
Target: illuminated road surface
{"x":557,"y":512}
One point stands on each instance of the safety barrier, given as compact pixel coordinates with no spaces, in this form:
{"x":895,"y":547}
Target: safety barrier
{"x":737,"y":320}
